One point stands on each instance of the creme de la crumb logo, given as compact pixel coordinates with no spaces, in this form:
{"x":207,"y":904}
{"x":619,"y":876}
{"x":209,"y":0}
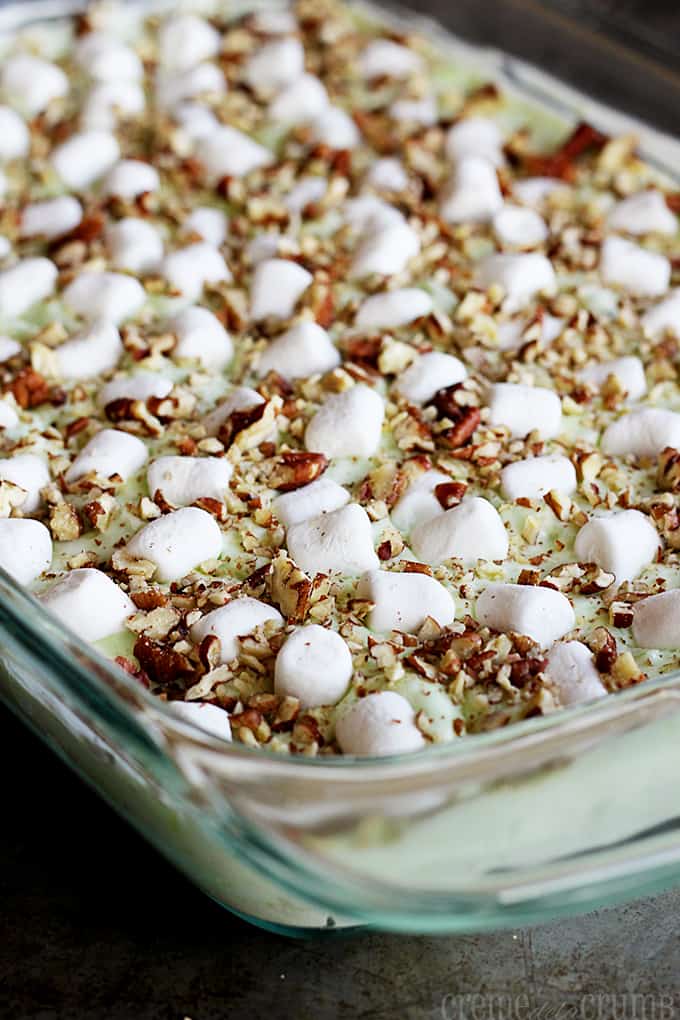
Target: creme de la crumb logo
{"x":595,"y":1006}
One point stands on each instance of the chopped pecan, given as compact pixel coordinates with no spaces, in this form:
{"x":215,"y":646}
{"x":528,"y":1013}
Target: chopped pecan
{"x":213,"y":506}
{"x":668,"y":471}
{"x":450,"y":494}
{"x":30,"y":389}
{"x":209,"y":652}
{"x":603,"y":646}
{"x":162,"y":665}
{"x":464,"y":424}
{"x":64,"y":522}
{"x":297,"y":468}
{"x":562,"y":162}
{"x":150,"y":598}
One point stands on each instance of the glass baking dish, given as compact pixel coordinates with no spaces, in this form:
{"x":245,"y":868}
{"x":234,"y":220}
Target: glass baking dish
{"x":553,"y":815}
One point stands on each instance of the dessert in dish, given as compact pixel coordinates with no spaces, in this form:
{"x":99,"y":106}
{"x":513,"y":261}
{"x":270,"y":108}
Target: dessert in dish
{"x":340,"y":395}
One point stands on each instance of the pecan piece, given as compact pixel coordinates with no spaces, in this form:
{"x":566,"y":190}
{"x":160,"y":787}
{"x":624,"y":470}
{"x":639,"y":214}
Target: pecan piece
{"x":668,"y":471}
{"x":450,"y":494}
{"x":562,"y":162}
{"x":30,"y":389}
{"x":297,"y":468}
{"x":162,"y":665}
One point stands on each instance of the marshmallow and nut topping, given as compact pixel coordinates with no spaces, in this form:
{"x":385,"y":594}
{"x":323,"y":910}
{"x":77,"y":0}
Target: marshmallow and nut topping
{"x":339,"y":393}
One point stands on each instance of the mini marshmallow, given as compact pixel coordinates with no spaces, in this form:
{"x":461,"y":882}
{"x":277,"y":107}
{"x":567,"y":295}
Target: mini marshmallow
{"x":533,"y":191}
{"x":110,"y":101}
{"x":8,"y":348}
{"x":622,"y":543}
{"x":24,"y":284}
{"x":656,"y":620}
{"x":629,"y":372}
{"x":52,"y":218}
{"x":302,"y":101}
{"x":201,"y":336}
{"x":263,"y":246}
{"x":521,"y":276}
{"x":105,"y":58}
{"x":304,"y":350}
{"x":385,"y":252}
{"x":348,"y":424}
{"x":314,"y":666}
{"x":643,"y":433}
{"x":404,"y":601}
{"x":31,"y":83}
{"x":645,"y":212}
{"x":90,"y":603}
{"x":419,"y":503}
{"x":25,"y":548}
{"x":543,"y":614}
{"x":472,"y":194}
{"x":240,"y":398}
{"x":15,"y":138}
{"x":87,"y":354}
{"x":183,"y":480}
{"x":636,"y":270}
{"x":572,"y":671}
{"x":176,"y":87}
{"x":335,"y":128}
{"x":237,"y":619}
{"x":8,"y":416}
{"x":471,"y":531}
{"x":275,"y":65}
{"x":393,"y":308}
{"x":30,"y":473}
{"x":85,"y":157}
{"x":134,"y":244}
{"x":211,"y":718}
{"x":277,"y":286}
{"x":516,"y":227}
{"x":533,"y":477}
{"x":274,"y":21}
{"x":379,"y":724}
{"x":523,"y":409}
{"x":186,"y":40}
{"x":5,"y":247}
{"x":475,"y":136}
{"x":198,"y":122}
{"x":130,"y":178}
{"x":387,"y":174}
{"x":340,"y":540}
{"x":307,"y":191}
{"x":109,"y":452}
{"x":369,"y":214}
{"x":189,"y":269}
{"x":210,"y":224}
{"x":319,"y":497}
{"x":663,"y":317}
{"x":416,"y":111}
{"x":140,"y":386}
{"x":383,"y":58}
{"x":428,"y":374}
{"x":230,"y":153}
{"x":178,"y":542}
{"x":101,"y":295}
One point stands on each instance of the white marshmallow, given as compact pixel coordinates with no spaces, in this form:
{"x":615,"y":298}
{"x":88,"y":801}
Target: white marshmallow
{"x":475,"y":136}
{"x":51,"y":218}
{"x":543,"y":614}
{"x":314,"y":666}
{"x":348,"y":424}
{"x":533,"y":477}
{"x":237,"y":619}
{"x":628,"y":371}
{"x":135,"y":245}
{"x":336,"y":129}
{"x":87,"y":354}
{"x":521,"y":276}
{"x":319,"y":497}
{"x":210,"y":224}
{"x":511,"y":332}
{"x":90,"y":603}
{"x":5,"y":246}
{"x":24,"y":284}
{"x":471,"y":531}
{"x":307,"y":191}
{"x":105,"y":58}
{"x":178,"y":542}
{"x":416,"y":111}
{"x":30,"y":473}
{"x":109,"y":452}
{"x":183,"y":480}
{"x":645,"y":212}
{"x":340,"y":540}
{"x":369,"y":214}
{"x":305,"y":349}
{"x":8,"y":348}
{"x":379,"y":724}
{"x":239,"y":399}
{"x":140,"y":386}
{"x":404,"y":601}
{"x":8,"y":416}
{"x":202,"y":337}
{"x":571,"y":668}
{"x":516,"y":227}
{"x":472,"y":194}
{"x":31,"y":83}
{"x":523,"y":409}
{"x":387,"y":174}
{"x":85,"y":157}
{"x":385,"y":252}
{"x":419,"y":503}
{"x":110,"y":101}
{"x":656,"y":620}
{"x":189,"y":269}
{"x":211,"y":718}
{"x":302,"y":101}
{"x":643,"y":433}
{"x":101,"y":295}
{"x":277,"y":286}
{"x":25,"y":548}
{"x":383,"y":58}
{"x":393,"y":308}
{"x":636,"y":270}
{"x":276,"y":64}
{"x":173,"y":87}
{"x":15,"y":138}
{"x":622,"y":543}
{"x":274,"y":21}
{"x":130,"y":178}
{"x":230,"y":153}
{"x":533,"y":191}
{"x":428,"y":374}
{"x":663,"y":317}
{"x":263,"y":246}
{"x":186,"y":40}
{"x":198,"y":122}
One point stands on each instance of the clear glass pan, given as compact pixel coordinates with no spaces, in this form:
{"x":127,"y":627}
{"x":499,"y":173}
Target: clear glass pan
{"x":551,"y":816}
